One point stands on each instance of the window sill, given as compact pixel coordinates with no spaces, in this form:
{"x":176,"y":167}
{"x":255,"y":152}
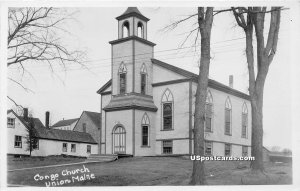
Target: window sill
{"x":244,"y":138}
{"x":144,"y":146}
{"x":208,"y":131}
{"x":228,"y":134}
{"x":18,"y":147}
{"x":167,"y":130}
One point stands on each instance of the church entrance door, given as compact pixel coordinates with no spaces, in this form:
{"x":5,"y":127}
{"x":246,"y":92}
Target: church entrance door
{"x":119,"y":140}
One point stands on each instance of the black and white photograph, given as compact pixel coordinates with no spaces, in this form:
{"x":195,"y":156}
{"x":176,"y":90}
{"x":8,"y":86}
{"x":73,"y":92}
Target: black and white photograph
{"x":149,"y":94}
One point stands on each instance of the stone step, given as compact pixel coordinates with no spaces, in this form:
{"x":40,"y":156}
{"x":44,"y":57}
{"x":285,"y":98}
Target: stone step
{"x":101,"y":158}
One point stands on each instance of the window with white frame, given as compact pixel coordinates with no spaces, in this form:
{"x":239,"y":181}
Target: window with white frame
{"x":167,"y":110}
{"x":64,"y":147}
{"x":208,"y":112}
{"x":10,"y":122}
{"x":208,"y":148}
{"x":228,"y":111}
{"x":244,"y":120}
{"x":167,"y":147}
{"x":122,"y":78}
{"x":145,"y":130}
{"x":73,"y":148}
{"x":88,"y":149}
{"x":227,"y":149}
{"x":18,"y":141}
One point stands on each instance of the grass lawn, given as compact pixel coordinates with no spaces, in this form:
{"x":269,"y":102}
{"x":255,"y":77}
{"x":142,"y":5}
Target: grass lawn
{"x":144,"y":171}
{"x":27,"y":162}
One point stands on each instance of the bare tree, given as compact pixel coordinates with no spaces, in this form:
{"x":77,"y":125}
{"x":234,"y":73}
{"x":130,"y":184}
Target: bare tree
{"x":35,"y":36}
{"x":205,"y":20}
{"x":248,"y":19}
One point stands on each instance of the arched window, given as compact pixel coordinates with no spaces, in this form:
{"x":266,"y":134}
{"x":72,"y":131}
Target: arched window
{"x":122,"y":77}
{"x":167,"y":110}
{"x":143,"y":79}
{"x":125,"y":29}
{"x":228,"y":111}
{"x":244,"y":120}
{"x":140,"y":30}
{"x":145,"y":130}
{"x":208,"y":112}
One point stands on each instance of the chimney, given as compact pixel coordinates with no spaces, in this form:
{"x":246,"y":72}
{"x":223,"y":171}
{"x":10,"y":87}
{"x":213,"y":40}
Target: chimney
{"x":231,"y":81}
{"x":47,"y":119}
{"x":25,"y":114}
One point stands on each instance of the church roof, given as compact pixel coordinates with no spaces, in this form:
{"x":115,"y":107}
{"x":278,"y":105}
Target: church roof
{"x":189,"y":75}
{"x":132,"y":11}
{"x":211,"y":83}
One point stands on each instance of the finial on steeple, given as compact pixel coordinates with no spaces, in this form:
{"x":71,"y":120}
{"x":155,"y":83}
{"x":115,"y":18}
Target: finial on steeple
{"x":132,"y":11}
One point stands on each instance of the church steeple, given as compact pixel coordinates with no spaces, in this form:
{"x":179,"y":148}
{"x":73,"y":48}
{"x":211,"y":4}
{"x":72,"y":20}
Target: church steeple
{"x":132,"y":23}
{"x":131,"y":56}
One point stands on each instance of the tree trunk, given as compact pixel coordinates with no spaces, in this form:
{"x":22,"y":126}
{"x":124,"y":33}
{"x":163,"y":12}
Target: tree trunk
{"x":205,"y":24}
{"x":265,"y":54}
{"x":257,"y":130}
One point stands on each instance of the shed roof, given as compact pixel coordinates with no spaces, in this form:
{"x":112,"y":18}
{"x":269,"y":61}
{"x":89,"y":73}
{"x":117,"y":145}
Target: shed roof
{"x":64,"y":122}
{"x":55,"y":134}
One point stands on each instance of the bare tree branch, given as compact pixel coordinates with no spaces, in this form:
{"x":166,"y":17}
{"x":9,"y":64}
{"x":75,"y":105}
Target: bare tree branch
{"x":15,"y":102}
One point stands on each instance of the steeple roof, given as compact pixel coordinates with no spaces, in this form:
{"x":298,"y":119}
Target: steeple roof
{"x":132,"y":11}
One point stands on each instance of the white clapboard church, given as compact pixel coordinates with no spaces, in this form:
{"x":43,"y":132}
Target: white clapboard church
{"x":147,"y":106}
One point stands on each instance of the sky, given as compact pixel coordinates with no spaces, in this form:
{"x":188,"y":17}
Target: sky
{"x":67,"y":94}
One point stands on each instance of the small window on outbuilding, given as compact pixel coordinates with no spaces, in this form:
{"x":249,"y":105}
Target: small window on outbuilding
{"x":73,"y":148}
{"x":88,"y":149}
{"x":10,"y":122}
{"x":18,"y":141}
{"x":64,"y":147}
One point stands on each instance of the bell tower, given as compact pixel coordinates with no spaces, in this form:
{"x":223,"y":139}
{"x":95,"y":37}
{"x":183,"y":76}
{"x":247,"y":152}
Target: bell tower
{"x":131,"y":87}
{"x":132,"y":23}
{"x":131,"y":60}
